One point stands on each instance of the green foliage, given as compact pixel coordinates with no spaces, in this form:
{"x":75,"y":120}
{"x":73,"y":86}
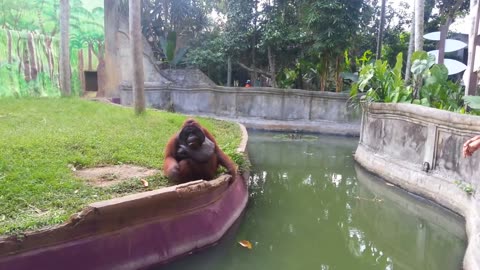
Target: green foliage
{"x":43,"y":139}
{"x":382,"y":83}
{"x":207,"y":54}
{"x":437,"y":91}
{"x":421,"y":63}
{"x":40,"y":18}
{"x":467,"y":187}
{"x":472,"y":102}
{"x":287,"y":78}
{"x":332,"y":23}
{"x":173,"y":54}
{"x":13,"y":74}
{"x":171,"y":45}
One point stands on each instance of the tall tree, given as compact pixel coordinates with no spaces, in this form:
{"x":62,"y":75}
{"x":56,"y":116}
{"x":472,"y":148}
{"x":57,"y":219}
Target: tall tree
{"x":380,"y":31}
{"x":332,"y":24}
{"x":136,"y":44}
{"x":450,"y":8}
{"x":237,"y":29}
{"x":419,"y":24}
{"x":65,"y":69}
{"x":411,"y":47}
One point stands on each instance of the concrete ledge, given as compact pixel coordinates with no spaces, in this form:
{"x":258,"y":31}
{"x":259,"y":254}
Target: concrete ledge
{"x":134,"y":231}
{"x":419,"y":149}
{"x":257,"y":107}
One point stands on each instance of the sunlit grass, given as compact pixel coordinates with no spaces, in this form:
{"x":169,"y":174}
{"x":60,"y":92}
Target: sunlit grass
{"x":40,"y":140}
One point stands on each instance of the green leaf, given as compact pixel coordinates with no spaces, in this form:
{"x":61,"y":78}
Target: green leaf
{"x":419,"y":66}
{"x":419,"y":55}
{"x":472,"y":102}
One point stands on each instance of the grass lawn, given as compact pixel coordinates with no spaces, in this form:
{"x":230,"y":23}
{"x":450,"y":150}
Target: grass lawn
{"x":41,"y":139}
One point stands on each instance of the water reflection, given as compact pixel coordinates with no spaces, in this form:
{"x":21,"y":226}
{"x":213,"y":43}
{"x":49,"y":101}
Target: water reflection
{"x":428,"y":229}
{"x":312,"y":208}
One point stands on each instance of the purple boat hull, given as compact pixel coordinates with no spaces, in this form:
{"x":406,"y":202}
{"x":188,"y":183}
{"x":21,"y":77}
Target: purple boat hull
{"x":134,"y":232}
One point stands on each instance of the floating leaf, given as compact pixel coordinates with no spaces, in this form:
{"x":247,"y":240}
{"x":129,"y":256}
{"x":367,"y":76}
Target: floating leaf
{"x":144,"y":182}
{"x":245,"y":244}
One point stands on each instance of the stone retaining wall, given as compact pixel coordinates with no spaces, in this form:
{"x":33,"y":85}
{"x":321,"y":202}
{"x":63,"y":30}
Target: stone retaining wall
{"x":260,"y":103}
{"x":420,"y":149}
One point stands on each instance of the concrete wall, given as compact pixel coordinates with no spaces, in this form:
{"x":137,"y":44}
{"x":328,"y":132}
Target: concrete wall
{"x":420,"y":149}
{"x":118,"y":60}
{"x":254,"y":103}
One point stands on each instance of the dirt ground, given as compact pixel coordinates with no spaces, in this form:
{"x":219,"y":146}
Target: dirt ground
{"x":110,"y":175}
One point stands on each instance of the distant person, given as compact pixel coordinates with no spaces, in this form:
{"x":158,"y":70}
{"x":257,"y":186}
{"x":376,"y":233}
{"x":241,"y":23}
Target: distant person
{"x":248,"y":84}
{"x":471,"y":146}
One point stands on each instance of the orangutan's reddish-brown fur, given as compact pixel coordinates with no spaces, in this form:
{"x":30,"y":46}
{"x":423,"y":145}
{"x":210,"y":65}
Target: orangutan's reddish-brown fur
{"x":184,"y":170}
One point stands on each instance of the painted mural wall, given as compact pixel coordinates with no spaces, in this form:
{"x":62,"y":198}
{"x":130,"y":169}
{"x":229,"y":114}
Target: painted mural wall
{"x":29,"y":47}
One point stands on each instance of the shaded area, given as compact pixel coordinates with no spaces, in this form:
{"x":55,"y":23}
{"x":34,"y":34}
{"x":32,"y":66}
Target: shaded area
{"x":312,"y":208}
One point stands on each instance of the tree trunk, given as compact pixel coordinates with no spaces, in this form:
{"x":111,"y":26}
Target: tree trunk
{"x":65,"y":72}
{"x":338,"y":77}
{"x":256,"y":70}
{"x":324,"y":74}
{"x":472,"y":77}
{"x":441,"y":43}
{"x":271,"y":63}
{"x":38,"y":55}
{"x":9,"y":45}
{"x":90,"y":51}
{"x":419,"y":23}
{"x":444,"y":30}
{"x":137,"y":56}
{"x":48,"y":52}
{"x":229,"y":71}
{"x":101,"y":77}
{"x":101,"y":72}
{"x":33,"y":57}
{"x":81,"y":72}
{"x":411,"y":45}
{"x":380,"y":31}
{"x":254,"y":44}
{"x":26,"y":61}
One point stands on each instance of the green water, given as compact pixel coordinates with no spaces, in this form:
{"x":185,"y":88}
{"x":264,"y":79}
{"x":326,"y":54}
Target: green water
{"x":312,"y":207}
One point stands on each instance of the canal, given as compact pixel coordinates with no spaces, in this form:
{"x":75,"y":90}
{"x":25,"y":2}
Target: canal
{"x":312,"y":207}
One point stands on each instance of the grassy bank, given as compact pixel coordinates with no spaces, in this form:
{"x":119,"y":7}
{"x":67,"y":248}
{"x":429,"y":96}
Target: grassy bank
{"x":42,"y":139}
